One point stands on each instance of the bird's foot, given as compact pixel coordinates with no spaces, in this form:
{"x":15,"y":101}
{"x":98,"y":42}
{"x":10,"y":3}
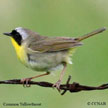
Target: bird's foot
{"x":25,"y":82}
{"x":57,"y":85}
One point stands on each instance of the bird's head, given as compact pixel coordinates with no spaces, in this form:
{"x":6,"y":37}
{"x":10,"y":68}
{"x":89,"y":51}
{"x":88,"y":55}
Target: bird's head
{"x":19,"y":34}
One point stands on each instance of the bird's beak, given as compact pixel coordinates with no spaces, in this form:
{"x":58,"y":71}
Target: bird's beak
{"x":8,"y":34}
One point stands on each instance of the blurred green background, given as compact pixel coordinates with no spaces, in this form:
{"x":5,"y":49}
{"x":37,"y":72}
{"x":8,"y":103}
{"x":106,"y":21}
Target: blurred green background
{"x":56,"y":18}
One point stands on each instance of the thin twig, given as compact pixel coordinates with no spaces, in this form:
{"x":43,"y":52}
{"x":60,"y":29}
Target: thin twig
{"x":74,"y":87}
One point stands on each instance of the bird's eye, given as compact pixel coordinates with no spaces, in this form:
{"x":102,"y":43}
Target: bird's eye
{"x":14,"y":32}
{"x":17,"y":37}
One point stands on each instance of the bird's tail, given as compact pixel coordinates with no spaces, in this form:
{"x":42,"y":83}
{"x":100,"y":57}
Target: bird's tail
{"x":90,"y":34}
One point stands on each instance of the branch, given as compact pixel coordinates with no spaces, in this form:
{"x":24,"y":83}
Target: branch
{"x":74,"y":87}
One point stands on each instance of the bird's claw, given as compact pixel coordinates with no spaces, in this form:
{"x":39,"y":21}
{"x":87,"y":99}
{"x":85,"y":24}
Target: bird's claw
{"x":25,"y":82}
{"x":57,"y":85}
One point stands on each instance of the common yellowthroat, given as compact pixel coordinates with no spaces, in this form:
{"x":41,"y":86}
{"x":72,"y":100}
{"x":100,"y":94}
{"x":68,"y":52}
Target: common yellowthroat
{"x":42,"y":53}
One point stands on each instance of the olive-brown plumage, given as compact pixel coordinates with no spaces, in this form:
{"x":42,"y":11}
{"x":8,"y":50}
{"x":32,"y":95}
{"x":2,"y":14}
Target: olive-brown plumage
{"x":42,"y":53}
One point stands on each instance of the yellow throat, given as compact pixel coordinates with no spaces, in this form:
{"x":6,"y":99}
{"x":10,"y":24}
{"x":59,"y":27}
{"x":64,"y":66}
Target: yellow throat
{"x":21,"y":54}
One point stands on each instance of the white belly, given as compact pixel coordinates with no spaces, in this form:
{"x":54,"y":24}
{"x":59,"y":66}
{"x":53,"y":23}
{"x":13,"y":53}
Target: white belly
{"x":47,"y":61}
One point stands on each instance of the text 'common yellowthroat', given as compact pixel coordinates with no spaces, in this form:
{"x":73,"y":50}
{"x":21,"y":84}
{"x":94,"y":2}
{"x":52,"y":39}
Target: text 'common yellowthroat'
{"x":42,"y":53}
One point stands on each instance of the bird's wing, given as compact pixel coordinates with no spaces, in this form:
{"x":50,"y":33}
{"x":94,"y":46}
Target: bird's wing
{"x":54,"y":44}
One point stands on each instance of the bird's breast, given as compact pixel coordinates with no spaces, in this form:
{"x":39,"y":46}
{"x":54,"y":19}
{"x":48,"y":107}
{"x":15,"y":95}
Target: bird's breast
{"x":20,"y":51}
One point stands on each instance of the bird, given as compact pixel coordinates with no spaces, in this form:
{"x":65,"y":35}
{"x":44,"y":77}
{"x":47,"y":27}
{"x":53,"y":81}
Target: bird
{"x":45,"y":53}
